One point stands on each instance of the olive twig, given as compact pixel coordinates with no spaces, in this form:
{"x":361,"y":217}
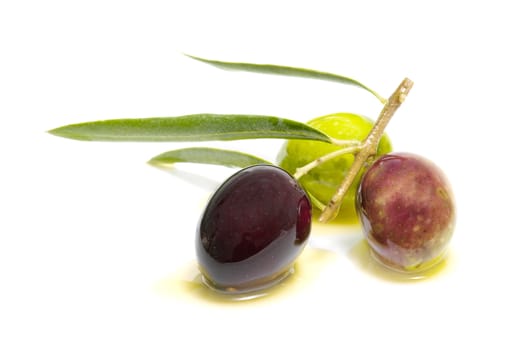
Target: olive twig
{"x":311,"y":165}
{"x":368,"y":148}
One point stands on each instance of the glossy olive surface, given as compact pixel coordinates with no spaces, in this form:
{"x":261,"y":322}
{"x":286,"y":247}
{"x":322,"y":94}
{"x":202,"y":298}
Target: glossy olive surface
{"x":252,"y":230}
{"x":406,"y":207}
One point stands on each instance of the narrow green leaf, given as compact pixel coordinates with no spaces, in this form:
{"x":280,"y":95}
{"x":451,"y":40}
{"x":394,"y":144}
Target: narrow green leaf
{"x":289,"y":71}
{"x":195,"y":127}
{"x":206,"y":155}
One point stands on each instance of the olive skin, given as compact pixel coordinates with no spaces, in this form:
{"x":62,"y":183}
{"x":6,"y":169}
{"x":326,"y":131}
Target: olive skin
{"x":407,"y":211}
{"x":252,"y":230}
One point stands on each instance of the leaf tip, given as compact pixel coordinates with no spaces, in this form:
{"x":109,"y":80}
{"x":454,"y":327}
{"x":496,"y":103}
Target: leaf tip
{"x":156,"y":162}
{"x":63,"y":131}
{"x":55,"y":131}
{"x":196,"y":58}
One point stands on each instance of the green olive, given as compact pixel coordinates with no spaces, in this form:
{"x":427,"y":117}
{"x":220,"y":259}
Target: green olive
{"x":322,"y":181}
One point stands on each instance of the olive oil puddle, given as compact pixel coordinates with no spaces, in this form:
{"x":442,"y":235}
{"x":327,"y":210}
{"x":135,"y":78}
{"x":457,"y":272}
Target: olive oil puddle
{"x":332,"y":242}
{"x":362,"y":256}
{"x":188,"y":282}
{"x":345,"y":237}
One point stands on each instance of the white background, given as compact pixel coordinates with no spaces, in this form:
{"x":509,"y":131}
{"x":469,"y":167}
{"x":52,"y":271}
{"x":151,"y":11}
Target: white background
{"x":96,"y":247}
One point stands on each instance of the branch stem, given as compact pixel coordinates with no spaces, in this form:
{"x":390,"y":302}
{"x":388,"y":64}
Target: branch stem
{"x":345,"y":143}
{"x":309,"y":166}
{"x":367,"y":149}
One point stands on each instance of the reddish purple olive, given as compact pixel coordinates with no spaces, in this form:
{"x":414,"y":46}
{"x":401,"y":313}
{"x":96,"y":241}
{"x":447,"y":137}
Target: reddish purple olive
{"x":252,"y":230}
{"x":407,"y":211}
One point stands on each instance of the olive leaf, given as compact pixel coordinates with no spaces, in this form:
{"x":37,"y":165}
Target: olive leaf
{"x":206,"y":155}
{"x":288,"y":71}
{"x":194,"y":127}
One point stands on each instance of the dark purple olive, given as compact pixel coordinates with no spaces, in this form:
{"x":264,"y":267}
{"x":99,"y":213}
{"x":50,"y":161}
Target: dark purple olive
{"x":407,"y":211}
{"x":252,"y":230}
